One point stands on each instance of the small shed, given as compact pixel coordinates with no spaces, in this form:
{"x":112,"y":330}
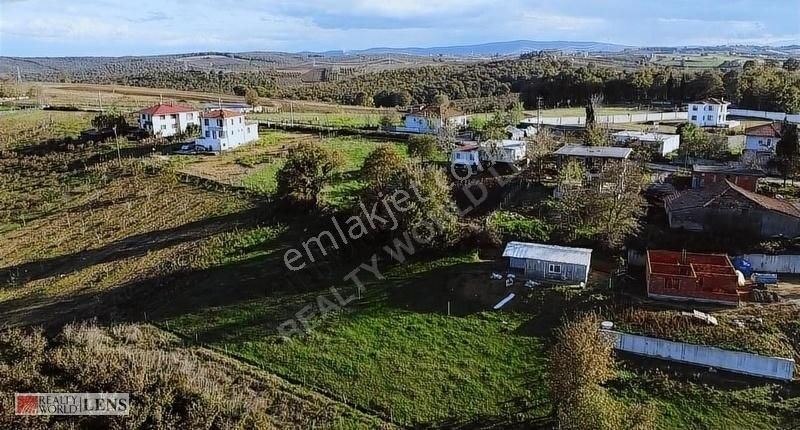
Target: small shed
{"x":549,"y":262}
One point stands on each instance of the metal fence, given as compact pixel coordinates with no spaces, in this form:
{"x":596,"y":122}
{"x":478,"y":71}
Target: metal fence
{"x":774,"y":263}
{"x":708,"y":356}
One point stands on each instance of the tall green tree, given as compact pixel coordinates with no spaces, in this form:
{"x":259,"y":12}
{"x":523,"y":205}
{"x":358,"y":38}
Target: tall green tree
{"x":787,"y":151}
{"x":616,"y":202}
{"x":581,"y":363}
{"x":383,"y":162}
{"x":308,"y":169}
{"x":423,"y":147}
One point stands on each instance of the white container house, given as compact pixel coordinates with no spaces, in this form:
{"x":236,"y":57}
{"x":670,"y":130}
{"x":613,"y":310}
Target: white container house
{"x":661,"y":142}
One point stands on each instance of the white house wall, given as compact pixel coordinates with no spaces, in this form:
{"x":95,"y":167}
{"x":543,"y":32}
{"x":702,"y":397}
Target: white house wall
{"x":760,"y":143}
{"x":168,"y":125}
{"x":231,"y":134}
{"x":708,"y":115}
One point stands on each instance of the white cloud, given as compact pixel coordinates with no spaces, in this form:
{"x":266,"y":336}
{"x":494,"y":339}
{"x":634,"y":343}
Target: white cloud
{"x":55,"y":27}
{"x":555,"y":22}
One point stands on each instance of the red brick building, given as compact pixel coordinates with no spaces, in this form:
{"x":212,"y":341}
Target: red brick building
{"x":687,"y":276}
{"x":704,"y":175}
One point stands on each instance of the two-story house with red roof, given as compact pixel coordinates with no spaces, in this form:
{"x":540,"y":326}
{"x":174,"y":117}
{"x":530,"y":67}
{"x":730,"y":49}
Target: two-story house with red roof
{"x":167,"y":120}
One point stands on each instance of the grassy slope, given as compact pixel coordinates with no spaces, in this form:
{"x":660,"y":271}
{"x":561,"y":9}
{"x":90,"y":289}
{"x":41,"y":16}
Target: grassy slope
{"x":414,"y":367}
{"x":385,"y":353}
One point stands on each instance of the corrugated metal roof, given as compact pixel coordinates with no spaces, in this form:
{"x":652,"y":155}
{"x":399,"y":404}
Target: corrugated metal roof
{"x":594,"y":151}
{"x":538,"y":251}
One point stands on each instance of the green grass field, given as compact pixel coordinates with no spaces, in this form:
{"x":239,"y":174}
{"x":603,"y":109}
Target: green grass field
{"x":128,"y":245}
{"x":344,"y":188}
{"x":396,"y":352}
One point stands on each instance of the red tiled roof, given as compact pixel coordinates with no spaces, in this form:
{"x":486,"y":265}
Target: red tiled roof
{"x":705,"y":197}
{"x":774,"y":129}
{"x":221,"y":113}
{"x":162,"y":109}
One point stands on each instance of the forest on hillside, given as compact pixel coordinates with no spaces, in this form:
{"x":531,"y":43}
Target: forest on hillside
{"x":769,"y":85}
{"x":756,"y":86}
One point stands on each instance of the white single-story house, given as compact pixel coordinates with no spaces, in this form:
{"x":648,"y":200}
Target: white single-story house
{"x":466,"y":155}
{"x":549,"y":262}
{"x":491,"y":151}
{"x":429,"y":119}
{"x":763,"y":138}
{"x":223,"y":129}
{"x":504,"y":151}
{"x":515,"y":133}
{"x":711,"y":112}
{"x":661,"y":142}
{"x":167,"y":120}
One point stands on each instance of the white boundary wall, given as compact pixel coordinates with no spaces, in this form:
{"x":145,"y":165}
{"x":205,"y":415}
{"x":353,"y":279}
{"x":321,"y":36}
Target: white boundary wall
{"x":701,"y":355}
{"x":774,"y":263}
{"x":775,"y":116}
{"x":611,"y":119}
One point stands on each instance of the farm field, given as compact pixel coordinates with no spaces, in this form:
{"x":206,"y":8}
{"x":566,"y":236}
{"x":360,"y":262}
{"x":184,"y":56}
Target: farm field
{"x":126,"y":97}
{"x":131,"y":242}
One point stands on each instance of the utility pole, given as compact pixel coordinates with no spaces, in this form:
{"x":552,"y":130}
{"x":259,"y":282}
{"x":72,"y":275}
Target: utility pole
{"x":99,"y":101}
{"x":539,"y":111}
{"x":291,"y":113}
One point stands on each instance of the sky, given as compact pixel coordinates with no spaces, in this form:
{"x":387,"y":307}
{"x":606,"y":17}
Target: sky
{"x":142,"y":27}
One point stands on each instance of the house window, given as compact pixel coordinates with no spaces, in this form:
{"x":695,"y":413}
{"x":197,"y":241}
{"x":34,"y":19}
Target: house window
{"x":240,"y":120}
{"x":162,"y":117}
{"x":694,"y":117}
{"x":694,"y":107}
{"x":219,"y":122}
{"x":163,"y":126}
{"x":174,"y":126}
{"x":554,"y":268}
{"x":208,"y":133}
{"x":205,"y":121}
{"x":190,"y":116}
{"x":710,"y":117}
{"x":458,"y":155}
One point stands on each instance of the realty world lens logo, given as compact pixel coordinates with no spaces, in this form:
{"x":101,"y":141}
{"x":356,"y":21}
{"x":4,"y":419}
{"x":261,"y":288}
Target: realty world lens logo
{"x":72,"y":403}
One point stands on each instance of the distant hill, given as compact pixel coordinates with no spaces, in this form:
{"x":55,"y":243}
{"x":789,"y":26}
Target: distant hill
{"x":515,"y":47}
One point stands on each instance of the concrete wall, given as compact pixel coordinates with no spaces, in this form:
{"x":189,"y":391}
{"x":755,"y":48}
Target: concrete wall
{"x":774,"y":263}
{"x":775,"y":116}
{"x":701,"y":355}
{"x":610,"y":119}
